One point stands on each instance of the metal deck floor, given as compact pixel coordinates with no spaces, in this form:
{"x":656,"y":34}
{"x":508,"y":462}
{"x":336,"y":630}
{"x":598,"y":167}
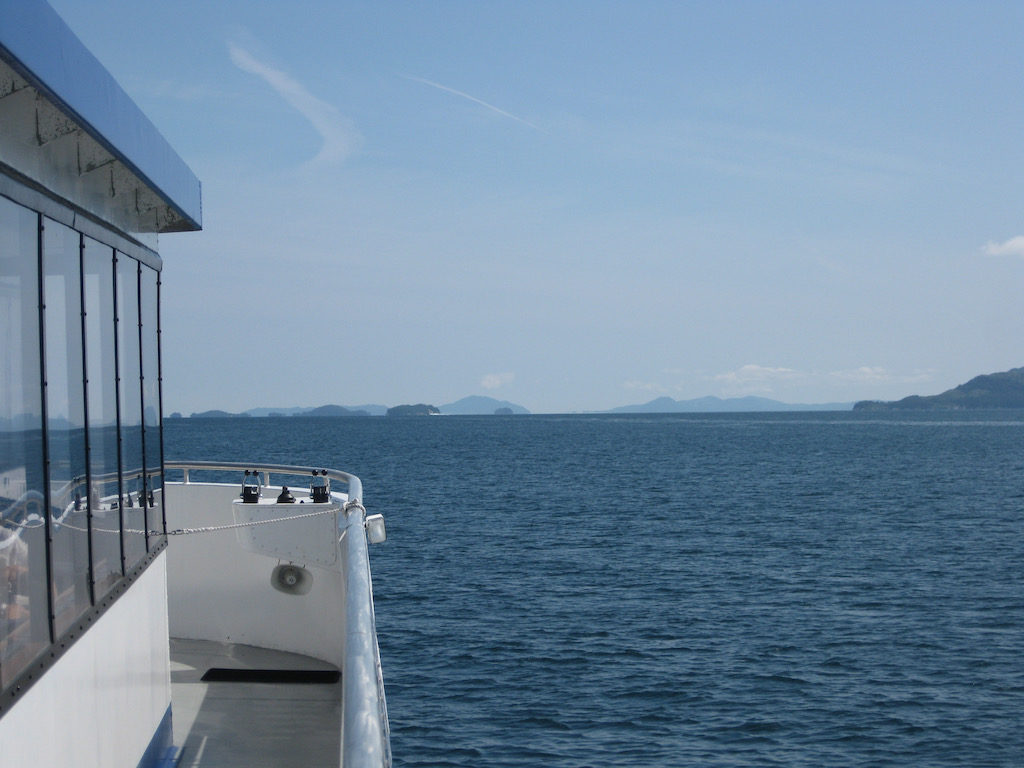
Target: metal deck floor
{"x":251,"y":725}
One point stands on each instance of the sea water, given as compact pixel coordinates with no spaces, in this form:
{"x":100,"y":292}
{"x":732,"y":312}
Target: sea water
{"x":700,"y":590}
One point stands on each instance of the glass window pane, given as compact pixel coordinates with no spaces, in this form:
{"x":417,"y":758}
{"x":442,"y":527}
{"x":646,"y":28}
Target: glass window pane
{"x":151,"y":399}
{"x":65,"y":412}
{"x":100,"y":363}
{"x":24,"y":620}
{"x":129,"y":371}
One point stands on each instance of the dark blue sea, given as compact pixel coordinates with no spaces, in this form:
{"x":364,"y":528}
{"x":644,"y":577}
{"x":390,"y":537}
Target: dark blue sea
{"x":818,"y":589}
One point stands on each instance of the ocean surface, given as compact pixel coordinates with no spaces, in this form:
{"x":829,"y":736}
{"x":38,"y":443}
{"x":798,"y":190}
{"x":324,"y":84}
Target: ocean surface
{"x":816,"y":589}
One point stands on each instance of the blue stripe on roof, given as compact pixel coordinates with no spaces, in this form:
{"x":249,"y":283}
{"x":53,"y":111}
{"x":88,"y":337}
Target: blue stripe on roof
{"x":44,"y":50}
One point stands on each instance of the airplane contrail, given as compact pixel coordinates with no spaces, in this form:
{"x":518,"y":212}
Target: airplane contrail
{"x":474,"y":99}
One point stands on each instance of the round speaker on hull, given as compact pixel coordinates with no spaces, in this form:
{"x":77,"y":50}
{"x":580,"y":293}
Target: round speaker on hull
{"x":291,"y":579}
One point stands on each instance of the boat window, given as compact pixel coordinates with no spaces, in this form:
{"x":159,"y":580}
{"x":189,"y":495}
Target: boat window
{"x":152,"y":445}
{"x":24,"y":621}
{"x":100,"y":364}
{"x":129,"y":373}
{"x":81,"y":464}
{"x":65,"y":424}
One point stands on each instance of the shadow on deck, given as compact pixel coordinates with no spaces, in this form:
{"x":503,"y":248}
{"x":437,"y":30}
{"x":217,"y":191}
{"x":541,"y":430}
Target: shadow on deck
{"x":253,"y":724}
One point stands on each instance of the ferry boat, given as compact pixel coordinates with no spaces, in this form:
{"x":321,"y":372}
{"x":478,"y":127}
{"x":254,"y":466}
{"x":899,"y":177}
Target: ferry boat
{"x":151,"y":614}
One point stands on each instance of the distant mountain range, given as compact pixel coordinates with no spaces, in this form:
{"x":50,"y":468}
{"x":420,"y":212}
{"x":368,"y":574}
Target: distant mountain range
{"x":475,"y":405}
{"x":479,"y":405}
{"x":992,"y":390}
{"x":730,"y":405}
{"x":323,"y":410}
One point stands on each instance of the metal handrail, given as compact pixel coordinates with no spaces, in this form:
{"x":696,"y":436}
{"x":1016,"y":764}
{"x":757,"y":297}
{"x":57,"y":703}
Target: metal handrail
{"x":355,"y":486}
{"x":366,"y":740}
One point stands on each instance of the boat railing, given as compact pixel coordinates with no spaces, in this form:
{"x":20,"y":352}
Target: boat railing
{"x":366,"y":738}
{"x":355,"y":487}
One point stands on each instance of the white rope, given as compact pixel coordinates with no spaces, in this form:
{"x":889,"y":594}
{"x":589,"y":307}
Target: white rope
{"x":38,"y":524}
{"x":250,"y":524}
{"x":349,"y":505}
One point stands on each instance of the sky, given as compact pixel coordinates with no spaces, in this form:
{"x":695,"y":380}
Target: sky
{"x":579,"y":205}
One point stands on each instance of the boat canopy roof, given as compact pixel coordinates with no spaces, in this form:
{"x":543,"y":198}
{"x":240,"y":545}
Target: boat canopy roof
{"x":53,"y":87}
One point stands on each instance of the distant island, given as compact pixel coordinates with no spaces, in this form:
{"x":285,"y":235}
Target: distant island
{"x":413,"y":410}
{"x":474,"y":405}
{"x":992,"y":390}
{"x":215,"y":414}
{"x":479,"y":405}
{"x":327,"y":411}
{"x":324,"y":411}
{"x":728,"y":405}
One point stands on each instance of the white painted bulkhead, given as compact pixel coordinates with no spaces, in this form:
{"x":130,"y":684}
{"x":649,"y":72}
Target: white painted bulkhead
{"x":220,"y":591}
{"x":101,"y":703}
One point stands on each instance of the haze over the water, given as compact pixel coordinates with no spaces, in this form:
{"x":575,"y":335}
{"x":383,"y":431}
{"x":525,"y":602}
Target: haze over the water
{"x":580,"y":205}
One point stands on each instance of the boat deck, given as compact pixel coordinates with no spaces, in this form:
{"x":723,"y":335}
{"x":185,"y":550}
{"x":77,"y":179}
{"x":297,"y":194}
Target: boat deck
{"x":251,"y":724}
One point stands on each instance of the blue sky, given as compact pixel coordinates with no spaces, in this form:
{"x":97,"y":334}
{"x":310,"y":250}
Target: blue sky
{"x":575,"y":206}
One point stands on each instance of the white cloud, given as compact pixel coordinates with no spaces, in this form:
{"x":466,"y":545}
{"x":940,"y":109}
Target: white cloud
{"x":757,"y":374}
{"x":340,"y":137}
{"x":496,"y":380}
{"x":876,"y":375}
{"x":474,"y":99}
{"x":864,"y":375}
{"x":755,"y":379}
{"x":1012,"y":247}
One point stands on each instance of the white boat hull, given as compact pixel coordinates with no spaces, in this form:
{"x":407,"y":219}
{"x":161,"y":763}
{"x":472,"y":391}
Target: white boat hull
{"x":113,"y":687}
